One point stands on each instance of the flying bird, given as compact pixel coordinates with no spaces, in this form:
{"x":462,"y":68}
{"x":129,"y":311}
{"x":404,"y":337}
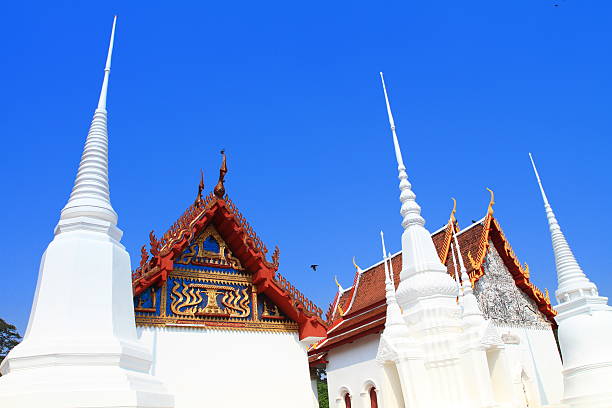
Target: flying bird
{"x":314,"y":267}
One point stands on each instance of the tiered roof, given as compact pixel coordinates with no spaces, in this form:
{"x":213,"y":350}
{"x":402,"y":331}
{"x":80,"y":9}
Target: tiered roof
{"x":367,"y":311}
{"x":217,"y":208}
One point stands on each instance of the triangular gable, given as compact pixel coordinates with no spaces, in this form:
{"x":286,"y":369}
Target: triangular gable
{"x":475,"y":241}
{"x":213,"y":266}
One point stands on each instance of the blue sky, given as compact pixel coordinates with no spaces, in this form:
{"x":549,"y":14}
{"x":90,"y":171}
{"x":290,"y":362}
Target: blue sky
{"x":291,"y":91}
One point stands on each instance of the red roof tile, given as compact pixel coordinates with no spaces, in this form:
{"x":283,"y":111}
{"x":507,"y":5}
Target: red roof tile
{"x":367,"y":314}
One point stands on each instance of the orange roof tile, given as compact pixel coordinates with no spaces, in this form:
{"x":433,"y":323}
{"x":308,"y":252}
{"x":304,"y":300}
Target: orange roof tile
{"x":368,"y":310}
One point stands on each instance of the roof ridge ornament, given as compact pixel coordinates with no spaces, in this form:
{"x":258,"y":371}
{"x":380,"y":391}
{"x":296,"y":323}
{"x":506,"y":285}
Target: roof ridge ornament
{"x":220,"y":187}
{"x":491,"y":202}
{"x":359,"y":270}
{"x":199,"y":200}
{"x":454,"y":210}
{"x":340,"y":289}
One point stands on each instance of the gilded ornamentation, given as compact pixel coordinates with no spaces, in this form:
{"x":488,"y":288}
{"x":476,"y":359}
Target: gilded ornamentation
{"x":196,"y":253}
{"x":141,"y":301}
{"x":206,"y":285}
{"x":190,"y":301}
{"x":270,"y":311}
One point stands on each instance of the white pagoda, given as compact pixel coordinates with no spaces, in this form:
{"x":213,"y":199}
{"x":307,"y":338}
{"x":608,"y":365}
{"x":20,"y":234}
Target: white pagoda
{"x":81,"y":348}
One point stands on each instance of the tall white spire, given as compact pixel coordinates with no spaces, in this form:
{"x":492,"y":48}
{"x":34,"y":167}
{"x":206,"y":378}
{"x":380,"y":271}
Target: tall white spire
{"x":570,"y":276}
{"x":410,"y":210}
{"x":90,"y":197}
{"x":419,"y":255}
{"x":82,"y":350}
{"x":585,"y":325}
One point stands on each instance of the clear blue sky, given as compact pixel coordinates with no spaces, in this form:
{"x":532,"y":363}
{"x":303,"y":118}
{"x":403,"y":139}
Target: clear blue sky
{"x":291,"y":91}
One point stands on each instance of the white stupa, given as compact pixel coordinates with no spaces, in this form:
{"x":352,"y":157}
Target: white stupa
{"x":585,"y":325}
{"x":80,"y":348}
{"x":427,"y":296}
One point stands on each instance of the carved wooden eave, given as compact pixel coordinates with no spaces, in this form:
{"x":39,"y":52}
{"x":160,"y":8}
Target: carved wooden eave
{"x":245,"y":245}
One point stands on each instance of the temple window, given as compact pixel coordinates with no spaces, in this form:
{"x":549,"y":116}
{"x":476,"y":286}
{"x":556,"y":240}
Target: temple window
{"x":373,"y":398}
{"x":347,"y":400}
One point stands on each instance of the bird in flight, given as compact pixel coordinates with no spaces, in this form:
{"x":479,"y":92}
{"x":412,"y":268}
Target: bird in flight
{"x":314,"y":267}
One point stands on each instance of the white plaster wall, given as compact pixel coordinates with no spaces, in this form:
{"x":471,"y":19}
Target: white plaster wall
{"x":353,"y":367}
{"x":230,"y":368}
{"x":538,"y":355}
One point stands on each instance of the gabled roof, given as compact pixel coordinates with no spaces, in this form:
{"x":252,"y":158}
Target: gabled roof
{"x":245,"y":245}
{"x":369,"y":289}
{"x":368,"y":313}
{"x":474,"y":243}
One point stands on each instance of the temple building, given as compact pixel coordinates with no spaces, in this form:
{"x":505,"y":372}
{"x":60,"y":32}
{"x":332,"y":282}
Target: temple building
{"x":219,"y":316}
{"x":206,"y":319}
{"x":529,"y":372}
{"x":422,"y":329}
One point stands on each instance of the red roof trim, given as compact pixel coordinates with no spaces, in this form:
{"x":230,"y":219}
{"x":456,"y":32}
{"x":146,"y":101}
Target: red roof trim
{"x":245,"y":244}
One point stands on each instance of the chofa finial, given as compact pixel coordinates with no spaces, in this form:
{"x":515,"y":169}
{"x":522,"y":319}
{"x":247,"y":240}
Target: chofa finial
{"x":220,"y":187}
{"x":356,"y":266}
{"x":491,"y":202}
{"x":452,"y":218}
{"x":198,"y":200}
{"x":338,"y":284}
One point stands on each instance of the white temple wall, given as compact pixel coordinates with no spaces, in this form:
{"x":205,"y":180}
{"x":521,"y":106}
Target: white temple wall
{"x":353,"y":367}
{"x":537,"y":355}
{"x":244,"y":368}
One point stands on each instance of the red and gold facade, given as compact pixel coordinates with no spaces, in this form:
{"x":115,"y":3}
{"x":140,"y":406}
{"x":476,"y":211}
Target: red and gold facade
{"x":210,"y":270}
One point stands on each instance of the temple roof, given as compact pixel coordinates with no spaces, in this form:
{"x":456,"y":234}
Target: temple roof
{"x":367,"y":311}
{"x":218,"y":209}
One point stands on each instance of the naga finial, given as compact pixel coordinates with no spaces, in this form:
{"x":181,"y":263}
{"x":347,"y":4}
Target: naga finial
{"x":491,"y":202}
{"x":220,"y":187}
{"x":356,"y":266}
{"x":338,"y":283}
{"x":198,"y":200}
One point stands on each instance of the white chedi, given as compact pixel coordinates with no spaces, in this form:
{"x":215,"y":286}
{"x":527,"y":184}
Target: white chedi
{"x":80,"y":348}
{"x":585,"y":325}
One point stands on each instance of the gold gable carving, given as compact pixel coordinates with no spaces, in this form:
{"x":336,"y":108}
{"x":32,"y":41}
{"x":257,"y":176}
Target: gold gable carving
{"x":196,"y":254}
{"x":210,"y":289}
